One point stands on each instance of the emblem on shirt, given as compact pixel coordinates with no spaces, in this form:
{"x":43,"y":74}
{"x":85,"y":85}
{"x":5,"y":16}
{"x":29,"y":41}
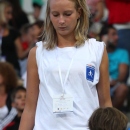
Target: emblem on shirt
{"x":90,"y":72}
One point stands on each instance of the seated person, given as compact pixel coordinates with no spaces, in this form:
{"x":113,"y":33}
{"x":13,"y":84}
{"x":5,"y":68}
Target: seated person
{"x":18,"y":102}
{"x":118,"y":65}
{"x":108,"y":119}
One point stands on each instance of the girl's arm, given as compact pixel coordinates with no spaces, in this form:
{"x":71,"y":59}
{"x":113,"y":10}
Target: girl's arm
{"x":103,"y":87}
{"x":27,"y":120}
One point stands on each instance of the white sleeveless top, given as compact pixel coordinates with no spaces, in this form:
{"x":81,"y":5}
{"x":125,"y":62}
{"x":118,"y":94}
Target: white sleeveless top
{"x":81,"y":85}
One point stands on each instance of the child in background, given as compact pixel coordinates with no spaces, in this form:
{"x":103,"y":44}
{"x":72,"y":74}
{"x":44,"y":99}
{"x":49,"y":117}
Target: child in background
{"x":18,"y":102}
{"x":108,"y":119}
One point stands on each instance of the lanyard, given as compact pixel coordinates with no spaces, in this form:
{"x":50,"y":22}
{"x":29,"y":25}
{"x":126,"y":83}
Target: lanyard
{"x":66,"y":77}
{"x":68,"y":71}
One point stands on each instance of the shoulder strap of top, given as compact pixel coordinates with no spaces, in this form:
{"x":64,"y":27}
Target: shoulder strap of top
{"x":98,"y":47}
{"x":39,"y":51}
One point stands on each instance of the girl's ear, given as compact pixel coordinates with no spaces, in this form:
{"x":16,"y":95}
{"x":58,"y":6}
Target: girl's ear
{"x":79,"y":12}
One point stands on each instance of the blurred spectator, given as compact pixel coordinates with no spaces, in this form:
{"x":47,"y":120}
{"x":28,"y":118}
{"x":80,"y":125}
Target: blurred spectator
{"x":19,"y":16}
{"x":8,"y":37}
{"x":37,"y":29}
{"x":8,"y":81}
{"x":43,"y":10}
{"x":119,"y":16}
{"x":8,"y":11}
{"x":18,"y":102}
{"x":10,"y":47}
{"x":37,"y":10}
{"x":26,"y":36}
{"x":108,"y":119}
{"x":27,"y":43}
{"x":97,"y":10}
{"x":118,"y":65}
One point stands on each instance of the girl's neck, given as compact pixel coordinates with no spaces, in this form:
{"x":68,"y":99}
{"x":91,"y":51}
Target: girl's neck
{"x":66,"y":41}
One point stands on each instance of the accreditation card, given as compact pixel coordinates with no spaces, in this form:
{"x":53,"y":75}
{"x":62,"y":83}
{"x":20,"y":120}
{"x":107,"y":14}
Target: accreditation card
{"x":62,"y":103}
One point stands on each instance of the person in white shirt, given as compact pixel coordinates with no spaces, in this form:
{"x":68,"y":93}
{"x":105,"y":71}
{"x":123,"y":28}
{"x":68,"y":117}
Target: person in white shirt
{"x":67,"y":73}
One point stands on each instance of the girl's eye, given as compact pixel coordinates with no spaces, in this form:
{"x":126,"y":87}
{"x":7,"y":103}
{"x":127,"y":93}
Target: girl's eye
{"x":55,"y":15}
{"x":68,"y":14}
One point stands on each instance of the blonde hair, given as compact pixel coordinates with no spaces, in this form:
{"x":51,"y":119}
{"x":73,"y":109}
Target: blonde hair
{"x":81,"y":29}
{"x":3,"y":5}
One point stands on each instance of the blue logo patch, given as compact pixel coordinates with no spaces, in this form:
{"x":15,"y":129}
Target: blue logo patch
{"x":90,"y":72}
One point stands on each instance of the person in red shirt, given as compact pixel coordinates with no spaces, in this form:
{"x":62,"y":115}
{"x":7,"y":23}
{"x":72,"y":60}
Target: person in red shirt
{"x":119,"y":16}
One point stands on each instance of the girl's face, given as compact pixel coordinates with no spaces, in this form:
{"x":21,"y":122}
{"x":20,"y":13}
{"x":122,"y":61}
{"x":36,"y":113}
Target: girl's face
{"x":64,"y":16}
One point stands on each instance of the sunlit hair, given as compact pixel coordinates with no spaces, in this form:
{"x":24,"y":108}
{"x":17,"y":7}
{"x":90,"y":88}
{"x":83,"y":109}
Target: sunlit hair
{"x":3,"y":5}
{"x":81,"y":29}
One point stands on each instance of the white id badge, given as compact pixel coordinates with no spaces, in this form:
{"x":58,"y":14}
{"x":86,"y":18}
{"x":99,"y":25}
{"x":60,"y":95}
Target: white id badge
{"x":62,"y":104}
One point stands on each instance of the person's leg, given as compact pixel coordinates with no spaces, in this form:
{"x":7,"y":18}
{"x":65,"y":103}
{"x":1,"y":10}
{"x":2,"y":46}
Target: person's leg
{"x":120,"y":96}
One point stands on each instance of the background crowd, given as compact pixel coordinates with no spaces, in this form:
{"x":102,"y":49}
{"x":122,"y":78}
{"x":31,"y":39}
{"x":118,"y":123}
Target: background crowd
{"x":20,"y":30}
